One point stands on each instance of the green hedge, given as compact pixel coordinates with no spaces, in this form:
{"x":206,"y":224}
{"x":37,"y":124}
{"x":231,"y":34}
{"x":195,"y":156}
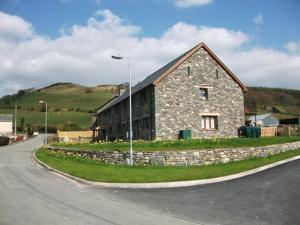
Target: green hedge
{"x":4,"y":140}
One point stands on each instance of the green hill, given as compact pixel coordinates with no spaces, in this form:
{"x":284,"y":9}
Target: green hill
{"x":283,"y":103}
{"x":70,"y":105}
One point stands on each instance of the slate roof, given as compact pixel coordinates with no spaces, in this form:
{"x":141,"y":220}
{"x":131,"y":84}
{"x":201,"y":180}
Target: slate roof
{"x":158,"y":75}
{"x":6,"y":117}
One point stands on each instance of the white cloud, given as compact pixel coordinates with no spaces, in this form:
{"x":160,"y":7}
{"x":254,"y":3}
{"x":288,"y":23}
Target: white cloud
{"x":82,"y":53}
{"x":258,"y":19}
{"x":13,"y":28}
{"x":293,"y":47}
{"x":190,"y":3}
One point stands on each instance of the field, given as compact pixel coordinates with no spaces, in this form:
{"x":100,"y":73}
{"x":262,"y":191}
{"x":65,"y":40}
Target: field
{"x":282,"y":103}
{"x":181,"y":144}
{"x":68,"y":104}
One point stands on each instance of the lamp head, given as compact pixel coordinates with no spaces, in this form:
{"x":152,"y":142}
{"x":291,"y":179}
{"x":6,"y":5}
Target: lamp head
{"x":116,"y":57}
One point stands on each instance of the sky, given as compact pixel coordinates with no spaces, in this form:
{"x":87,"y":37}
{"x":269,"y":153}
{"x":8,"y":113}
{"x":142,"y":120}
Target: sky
{"x":48,"y":41}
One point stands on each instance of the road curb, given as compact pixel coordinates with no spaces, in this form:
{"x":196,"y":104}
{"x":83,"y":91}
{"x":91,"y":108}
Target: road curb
{"x":174,"y":184}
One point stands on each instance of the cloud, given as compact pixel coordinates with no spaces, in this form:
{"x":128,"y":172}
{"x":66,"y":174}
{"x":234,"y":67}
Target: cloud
{"x":191,"y":3}
{"x":13,"y":28}
{"x":293,"y":47}
{"x":258,"y":19}
{"x":82,"y":53}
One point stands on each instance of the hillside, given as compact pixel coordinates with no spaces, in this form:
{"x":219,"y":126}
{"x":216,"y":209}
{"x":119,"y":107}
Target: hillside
{"x":70,"y":105}
{"x":283,"y":103}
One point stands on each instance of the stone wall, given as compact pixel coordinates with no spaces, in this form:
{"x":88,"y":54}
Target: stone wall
{"x":182,"y":158}
{"x":178,"y":105}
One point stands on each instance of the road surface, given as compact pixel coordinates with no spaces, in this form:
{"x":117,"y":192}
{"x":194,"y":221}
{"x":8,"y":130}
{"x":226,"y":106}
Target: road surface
{"x":31,"y":195}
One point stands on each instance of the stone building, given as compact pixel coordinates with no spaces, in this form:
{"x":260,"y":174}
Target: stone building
{"x":196,"y":91}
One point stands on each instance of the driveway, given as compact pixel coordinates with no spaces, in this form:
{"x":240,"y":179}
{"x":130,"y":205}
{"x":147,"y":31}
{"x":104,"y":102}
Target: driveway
{"x":29,"y":194}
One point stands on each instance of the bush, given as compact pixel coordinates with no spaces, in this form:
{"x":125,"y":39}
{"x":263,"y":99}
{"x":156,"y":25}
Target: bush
{"x":4,"y":140}
{"x":41,"y":128}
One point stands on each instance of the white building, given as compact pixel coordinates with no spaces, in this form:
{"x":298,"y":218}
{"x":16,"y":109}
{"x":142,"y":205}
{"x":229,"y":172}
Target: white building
{"x":6,"y":124}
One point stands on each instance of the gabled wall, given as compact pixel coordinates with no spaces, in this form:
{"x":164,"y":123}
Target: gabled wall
{"x":178,"y":104}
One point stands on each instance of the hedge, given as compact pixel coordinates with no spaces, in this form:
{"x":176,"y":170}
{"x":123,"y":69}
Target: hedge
{"x":4,"y":140}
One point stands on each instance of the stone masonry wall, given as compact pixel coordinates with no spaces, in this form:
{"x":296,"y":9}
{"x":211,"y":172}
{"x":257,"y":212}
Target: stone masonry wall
{"x":182,"y":158}
{"x":178,"y":105}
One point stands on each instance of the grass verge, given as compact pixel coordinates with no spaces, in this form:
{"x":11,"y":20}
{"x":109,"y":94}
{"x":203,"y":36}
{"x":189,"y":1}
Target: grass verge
{"x":95,"y":171}
{"x":180,"y":144}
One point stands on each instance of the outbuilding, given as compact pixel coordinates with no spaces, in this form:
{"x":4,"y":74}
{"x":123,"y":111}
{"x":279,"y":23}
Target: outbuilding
{"x":6,"y":124}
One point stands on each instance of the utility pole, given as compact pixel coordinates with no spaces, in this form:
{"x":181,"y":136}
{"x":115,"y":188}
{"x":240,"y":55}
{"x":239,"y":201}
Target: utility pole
{"x":15,"y":122}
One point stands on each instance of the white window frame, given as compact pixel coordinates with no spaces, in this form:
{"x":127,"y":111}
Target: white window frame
{"x":209,"y":122}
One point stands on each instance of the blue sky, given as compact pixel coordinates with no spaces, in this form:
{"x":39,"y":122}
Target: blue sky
{"x":281,"y":18}
{"x":260,"y":28}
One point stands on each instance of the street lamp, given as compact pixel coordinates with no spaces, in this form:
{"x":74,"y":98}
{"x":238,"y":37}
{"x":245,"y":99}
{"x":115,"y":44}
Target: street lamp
{"x":46,"y":112}
{"x":130,"y":107}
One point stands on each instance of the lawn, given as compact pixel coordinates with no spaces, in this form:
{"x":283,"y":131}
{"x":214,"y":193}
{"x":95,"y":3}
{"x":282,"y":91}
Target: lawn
{"x":95,"y":171}
{"x":180,"y":144}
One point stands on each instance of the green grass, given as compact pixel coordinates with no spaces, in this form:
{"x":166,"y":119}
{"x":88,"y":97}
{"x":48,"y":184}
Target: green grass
{"x":86,"y":101}
{"x":181,"y":144}
{"x":57,"y":119}
{"x":95,"y":171}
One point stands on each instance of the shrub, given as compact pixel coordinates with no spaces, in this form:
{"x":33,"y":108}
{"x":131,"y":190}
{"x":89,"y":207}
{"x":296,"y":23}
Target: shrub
{"x":4,"y":140}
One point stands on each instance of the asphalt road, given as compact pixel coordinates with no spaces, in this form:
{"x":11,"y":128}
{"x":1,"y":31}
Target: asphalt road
{"x":31,"y":195}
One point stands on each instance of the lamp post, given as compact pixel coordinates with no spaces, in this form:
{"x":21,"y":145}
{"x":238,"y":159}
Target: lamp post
{"x":130,"y":107}
{"x":46,"y":120}
{"x":16,"y":122}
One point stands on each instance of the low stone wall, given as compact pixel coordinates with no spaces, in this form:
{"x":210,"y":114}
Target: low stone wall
{"x":181,"y":158}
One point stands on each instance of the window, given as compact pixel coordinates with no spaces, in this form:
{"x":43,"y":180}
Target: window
{"x":143,"y":97}
{"x":189,"y":71}
{"x":217,"y":74}
{"x":146,"y":123}
{"x":203,"y":93}
{"x":124,"y":104}
{"x":209,"y":122}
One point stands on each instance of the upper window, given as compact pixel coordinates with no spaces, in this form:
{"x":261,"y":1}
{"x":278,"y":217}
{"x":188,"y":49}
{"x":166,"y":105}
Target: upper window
{"x":203,"y":93}
{"x":189,"y":72}
{"x":143,"y":97}
{"x":209,"y":122}
{"x":146,"y":123}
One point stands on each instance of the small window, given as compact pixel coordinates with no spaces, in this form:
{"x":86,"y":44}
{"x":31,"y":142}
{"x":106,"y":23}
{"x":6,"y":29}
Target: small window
{"x":209,"y":122}
{"x":203,"y":93}
{"x":189,"y":71}
{"x":124,"y":106}
{"x":217,"y":74}
{"x":143,"y":97}
{"x":146,"y":123}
